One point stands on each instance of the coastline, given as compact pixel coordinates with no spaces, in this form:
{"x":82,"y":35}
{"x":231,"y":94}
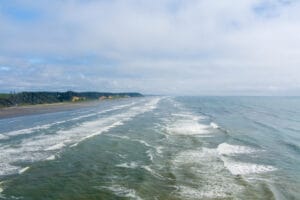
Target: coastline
{"x":10,"y":112}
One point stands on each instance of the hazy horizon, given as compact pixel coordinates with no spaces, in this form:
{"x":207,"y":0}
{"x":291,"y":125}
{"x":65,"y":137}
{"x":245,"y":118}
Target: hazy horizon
{"x":171,"y":47}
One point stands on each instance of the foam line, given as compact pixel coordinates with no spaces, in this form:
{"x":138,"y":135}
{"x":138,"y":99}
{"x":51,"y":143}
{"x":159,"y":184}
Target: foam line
{"x":131,"y":165}
{"x":55,"y":147}
{"x":21,"y":171}
{"x":42,"y":147}
{"x":122,"y":191}
{"x":46,"y":126}
{"x":142,"y":142}
{"x":152,"y":172}
{"x":228,"y":149}
{"x":52,"y":157}
{"x":239,"y":168}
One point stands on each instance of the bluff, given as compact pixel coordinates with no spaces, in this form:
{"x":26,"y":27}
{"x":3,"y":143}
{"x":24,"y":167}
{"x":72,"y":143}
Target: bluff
{"x":32,"y":98}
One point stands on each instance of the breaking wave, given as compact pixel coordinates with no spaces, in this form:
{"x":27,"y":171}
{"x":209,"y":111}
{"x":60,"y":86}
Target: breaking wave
{"x":41,"y":147}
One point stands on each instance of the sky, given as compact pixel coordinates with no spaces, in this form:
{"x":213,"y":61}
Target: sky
{"x":172,"y":47}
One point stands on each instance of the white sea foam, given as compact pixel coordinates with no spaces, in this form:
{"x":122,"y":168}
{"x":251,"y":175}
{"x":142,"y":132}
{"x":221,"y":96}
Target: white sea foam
{"x":187,"y":115}
{"x":3,"y":137}
{"x":131,"y":165}
{"x":7,"y":168}
{"x":186,"y":123}
{"x":1,"y":189}
{"x":27,"y":130}
{"x":240,"y":168}
{"x":41,"y":147}
{"x":202,"y":164}
{"x":196,"y":156}
{"x":152,"y":172}
{"x":142,"y":142}
{"x":228,"y":149}
{"x":74,"y":145}
{"x":208,"y":158}
{"x":187,"y":127}
{"x":47,"y":126}
{"x":159,"y":149}
{"x":122,"y":156}
{"x":55,"y":147}
{"x":101,"y":130}
{"x":150,"y":154}
{"x":21,"y":171}
{"x":199,"y":193}
{"x":174,"y":103}
{"x":119,"y":136}
{"x":122,"y":191}
{"x":52,"y":157}
{"x":214,"y":125}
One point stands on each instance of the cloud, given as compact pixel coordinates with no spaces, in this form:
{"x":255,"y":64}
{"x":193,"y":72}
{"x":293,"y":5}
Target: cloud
{"x":166,"y":46}
{"x":3,"y":68}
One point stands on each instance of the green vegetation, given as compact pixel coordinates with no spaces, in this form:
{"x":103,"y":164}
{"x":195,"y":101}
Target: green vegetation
{"x":32,"y":98}
{"x":4,"y":96}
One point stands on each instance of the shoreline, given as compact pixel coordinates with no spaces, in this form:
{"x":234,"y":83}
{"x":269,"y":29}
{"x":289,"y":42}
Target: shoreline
{"x":18,"y":111}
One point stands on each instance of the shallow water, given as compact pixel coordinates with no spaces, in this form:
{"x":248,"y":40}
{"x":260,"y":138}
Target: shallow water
{"x":156,"y":148}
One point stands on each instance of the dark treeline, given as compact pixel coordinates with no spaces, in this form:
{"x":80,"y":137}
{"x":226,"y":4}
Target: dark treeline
{"x":32,"y":98}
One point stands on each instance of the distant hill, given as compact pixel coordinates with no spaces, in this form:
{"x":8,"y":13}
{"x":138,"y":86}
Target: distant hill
{"x":32,"y":98}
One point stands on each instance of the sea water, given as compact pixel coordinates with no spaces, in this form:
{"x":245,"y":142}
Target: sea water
{"x":155,"y":148}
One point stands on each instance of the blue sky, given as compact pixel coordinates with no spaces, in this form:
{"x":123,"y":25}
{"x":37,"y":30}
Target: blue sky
{"x":195,"y":47}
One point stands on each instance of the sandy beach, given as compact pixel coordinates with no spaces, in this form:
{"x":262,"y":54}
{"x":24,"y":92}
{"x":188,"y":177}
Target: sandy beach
{"x":42,"y":108}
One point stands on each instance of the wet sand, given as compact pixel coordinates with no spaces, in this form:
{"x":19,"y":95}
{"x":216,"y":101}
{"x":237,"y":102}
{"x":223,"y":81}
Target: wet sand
{"x":42,"y":108}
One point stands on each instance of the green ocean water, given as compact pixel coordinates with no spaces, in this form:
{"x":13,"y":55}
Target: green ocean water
{"x":160,"y":148}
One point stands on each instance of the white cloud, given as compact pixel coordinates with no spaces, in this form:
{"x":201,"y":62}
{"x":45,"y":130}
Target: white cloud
{"x":3,"y":68}
{"x":199,"y":47}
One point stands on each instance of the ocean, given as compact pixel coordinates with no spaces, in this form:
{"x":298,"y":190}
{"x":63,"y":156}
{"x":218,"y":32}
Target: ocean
{"x":160,"y":148}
